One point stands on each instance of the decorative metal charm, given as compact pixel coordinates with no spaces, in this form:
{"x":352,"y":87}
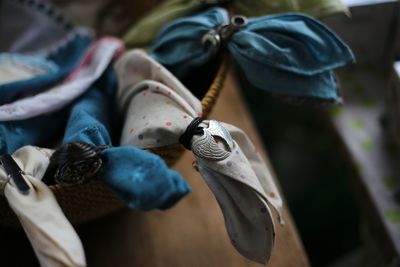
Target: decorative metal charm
{"x":220,"y":34}
{"x":215,"y":144}
{"x":217,"y":129}
{"x":76,"y":163}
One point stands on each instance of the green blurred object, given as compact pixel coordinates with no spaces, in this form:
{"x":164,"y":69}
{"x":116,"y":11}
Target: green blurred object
{"x":315,"y":8}
{"x":144,"y":31}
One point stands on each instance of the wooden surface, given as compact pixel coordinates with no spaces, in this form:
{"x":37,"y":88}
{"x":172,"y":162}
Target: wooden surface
{"x":190,"y":234}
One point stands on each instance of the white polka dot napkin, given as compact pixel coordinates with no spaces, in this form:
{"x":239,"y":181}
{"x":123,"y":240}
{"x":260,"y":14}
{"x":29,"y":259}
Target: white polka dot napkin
{"x":158,"y":110}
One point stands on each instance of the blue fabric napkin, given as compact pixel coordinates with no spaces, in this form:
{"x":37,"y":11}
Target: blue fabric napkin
{"x":40,"y":131}
{"x":141,"y":179}
{"x":289,"y":54}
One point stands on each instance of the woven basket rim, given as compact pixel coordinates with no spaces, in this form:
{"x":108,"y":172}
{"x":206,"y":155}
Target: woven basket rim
{"x":207,"y":102}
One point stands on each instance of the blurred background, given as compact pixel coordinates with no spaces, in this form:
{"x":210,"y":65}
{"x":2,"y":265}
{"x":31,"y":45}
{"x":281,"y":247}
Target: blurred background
{"x":337,"y":165}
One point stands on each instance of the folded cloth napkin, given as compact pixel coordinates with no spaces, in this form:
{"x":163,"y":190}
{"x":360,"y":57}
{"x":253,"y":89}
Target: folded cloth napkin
{"x":92,"y":64}
{"x":53,"y":238}
{"x":144,"y":31}
{"x":160,"y":111}
{"x":289,"y":55}
{"x":139,"y":178}
{"x":64,"y":57}
{"x":42,"y":131}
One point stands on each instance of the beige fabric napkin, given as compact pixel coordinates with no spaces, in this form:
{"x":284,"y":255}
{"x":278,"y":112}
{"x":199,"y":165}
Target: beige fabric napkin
{"x":159,"y":109}
{"x":53,"y":238}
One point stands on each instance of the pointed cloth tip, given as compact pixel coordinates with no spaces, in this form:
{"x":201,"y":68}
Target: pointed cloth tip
{"x":53,"y":238}
{"x":239,"y":179}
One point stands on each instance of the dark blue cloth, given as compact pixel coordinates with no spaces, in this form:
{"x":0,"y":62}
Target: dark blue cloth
{"x":141,"y":179}
{"x":288,"y":54}
{"x":40,"y":131}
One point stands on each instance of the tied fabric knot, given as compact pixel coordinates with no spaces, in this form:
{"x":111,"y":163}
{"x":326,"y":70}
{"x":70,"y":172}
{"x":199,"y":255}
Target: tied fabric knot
{"x":53,"y":238}
{"x":144,"y":31}
{"x":192,"y":129}
{"x":74,"y":163}
{"x":140,"y":179}
{"x":221,"y":33}
{"x":160,"y":110}
{"x":288,"y":54}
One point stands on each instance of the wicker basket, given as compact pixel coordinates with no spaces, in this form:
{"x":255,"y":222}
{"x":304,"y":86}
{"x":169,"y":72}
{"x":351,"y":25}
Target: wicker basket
{"x":86,"y":202}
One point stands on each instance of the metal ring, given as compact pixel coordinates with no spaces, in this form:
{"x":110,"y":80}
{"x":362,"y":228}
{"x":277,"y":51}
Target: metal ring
{"x":213,"y":38}
{"x":221,"y":33}
{"x":239,"y":21}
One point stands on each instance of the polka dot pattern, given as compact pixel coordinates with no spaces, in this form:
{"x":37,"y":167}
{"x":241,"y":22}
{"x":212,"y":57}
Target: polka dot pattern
{"x":235,"y":181}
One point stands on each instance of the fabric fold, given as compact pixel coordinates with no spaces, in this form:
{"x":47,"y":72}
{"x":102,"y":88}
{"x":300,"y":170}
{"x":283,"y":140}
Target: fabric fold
{"x":158,"y":111}
{"x":253,"y":240}
{"x":66,"y":56}
{"x":92,"y":64}
{"x":39,"y":119}
{"x":40,"y":131}
{"x":142,"y":180}
{"x":53,"y":238}
{"x":288,"y":54}
{"x":145,"y":30}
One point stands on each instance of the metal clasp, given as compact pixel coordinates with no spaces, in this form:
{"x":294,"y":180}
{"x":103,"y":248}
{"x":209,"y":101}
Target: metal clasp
{"x":14,"y":172}
{"x":74,"y":163}
{"x":215,"y":144}
{"x":220,"y":34}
